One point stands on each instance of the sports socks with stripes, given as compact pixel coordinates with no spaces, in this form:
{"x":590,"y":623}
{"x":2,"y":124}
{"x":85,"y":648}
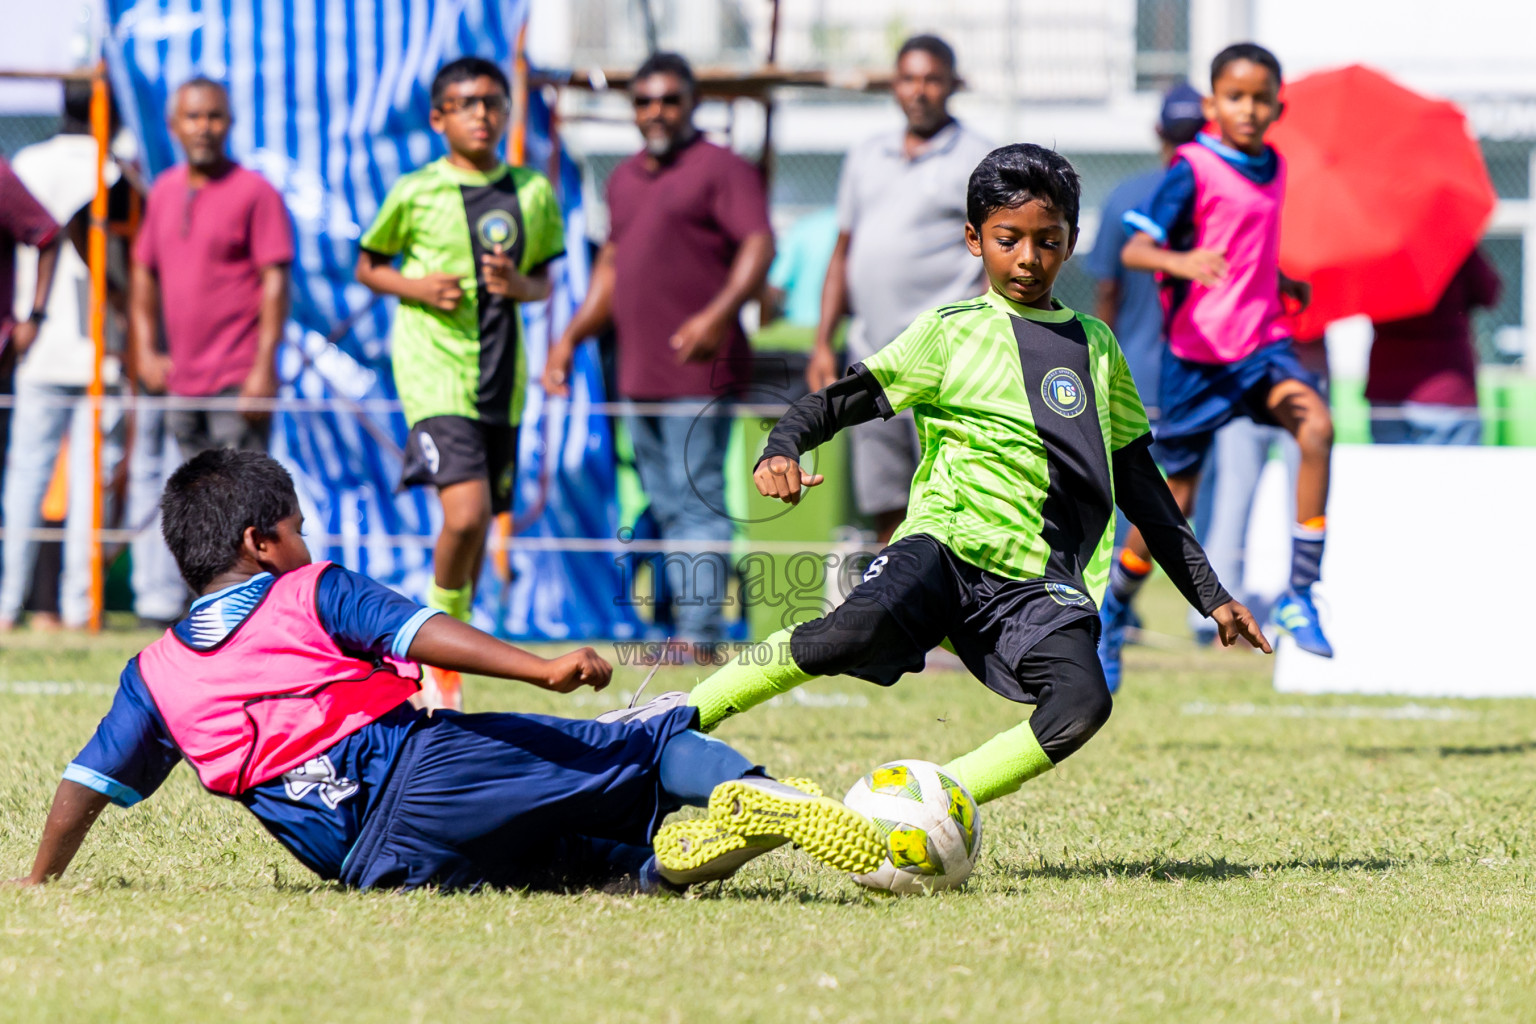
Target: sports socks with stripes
{"x":1307,"y":551}
{"x":1127,"y":573}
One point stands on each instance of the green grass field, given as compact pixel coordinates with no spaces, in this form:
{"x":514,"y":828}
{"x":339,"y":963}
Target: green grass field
{"x":1219,"y":853}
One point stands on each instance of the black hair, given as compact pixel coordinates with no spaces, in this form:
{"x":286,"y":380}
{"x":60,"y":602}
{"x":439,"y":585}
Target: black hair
{"x":211,"y":500}
{"x":1245,"y":51}
{"x":1011,"y":176}
{"x":934,"y":47}
{"x":666,"y":63}
{"x":77,"y":107}
{"x":466,"y":69}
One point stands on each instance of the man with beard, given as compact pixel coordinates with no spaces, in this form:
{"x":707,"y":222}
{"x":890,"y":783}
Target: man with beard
{"x":689,"y":244}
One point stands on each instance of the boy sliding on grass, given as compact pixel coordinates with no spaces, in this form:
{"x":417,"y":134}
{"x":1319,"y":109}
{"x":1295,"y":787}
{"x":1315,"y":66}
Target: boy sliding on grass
{"x":286,"y":689}
{"x":1031,"y":432}
{"x":1212,"y":232}
{"x":474,"y":237}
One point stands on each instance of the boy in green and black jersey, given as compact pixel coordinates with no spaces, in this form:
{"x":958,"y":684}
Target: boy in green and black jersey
{"x":473,"y":237}
{"x":1032,"y":432}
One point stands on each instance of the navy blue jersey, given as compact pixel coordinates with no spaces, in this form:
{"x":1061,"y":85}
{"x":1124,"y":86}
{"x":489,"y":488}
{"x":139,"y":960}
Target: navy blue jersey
{"x":1169,"y":215}
{"x":1138,"y":322}
{"x":316,"y":811}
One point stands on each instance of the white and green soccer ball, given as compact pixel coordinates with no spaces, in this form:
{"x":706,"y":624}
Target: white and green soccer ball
{"x":930,"y":822}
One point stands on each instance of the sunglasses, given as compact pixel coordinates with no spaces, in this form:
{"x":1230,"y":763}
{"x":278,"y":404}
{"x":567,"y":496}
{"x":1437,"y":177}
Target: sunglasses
{"x":670,"y":99}
{"x":494,"y":103}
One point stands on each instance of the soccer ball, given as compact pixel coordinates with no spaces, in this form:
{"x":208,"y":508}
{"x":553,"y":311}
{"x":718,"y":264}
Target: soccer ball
{"x":930,"y":822}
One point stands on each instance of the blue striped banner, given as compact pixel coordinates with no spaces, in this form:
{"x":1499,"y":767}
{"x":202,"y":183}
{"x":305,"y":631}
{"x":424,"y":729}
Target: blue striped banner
{"x":330,"y":102}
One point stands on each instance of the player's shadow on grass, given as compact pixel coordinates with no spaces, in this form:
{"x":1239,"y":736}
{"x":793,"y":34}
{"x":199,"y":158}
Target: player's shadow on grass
{"x":1437,"y":750}
{"x":1217,"y":869}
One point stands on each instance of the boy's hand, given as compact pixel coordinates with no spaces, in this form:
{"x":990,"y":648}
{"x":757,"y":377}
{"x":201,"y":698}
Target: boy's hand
{"x":699,"y":338}
{"x":1207,"y":266}
{"x":502,"y":278}
{"x":439,"y":290}
{"x":1233,"y":620}
{"x":782,"y":478}
{"x":579,"y":668}
{"x":1299,"y":292}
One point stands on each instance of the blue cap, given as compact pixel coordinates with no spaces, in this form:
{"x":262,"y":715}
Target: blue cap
{"x":1181,"y":116}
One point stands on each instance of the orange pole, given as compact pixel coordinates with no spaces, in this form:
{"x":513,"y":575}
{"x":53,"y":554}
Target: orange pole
{"x":517,"y":143}
{"x":101,"y":129}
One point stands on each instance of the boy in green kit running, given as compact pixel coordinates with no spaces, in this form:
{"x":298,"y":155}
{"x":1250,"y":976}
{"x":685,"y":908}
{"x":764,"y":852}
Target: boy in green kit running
{"x":474,"y":237}
{"x":1032,"y":431}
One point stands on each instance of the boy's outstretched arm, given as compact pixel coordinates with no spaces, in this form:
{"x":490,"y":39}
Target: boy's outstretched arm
{"x":447,"y":643}
{"x":75,"y":809}
{"x":1143,"y":495}
{"x":810,"y":422}
{"x":438,"y":290}
{"x":1143,"y":252}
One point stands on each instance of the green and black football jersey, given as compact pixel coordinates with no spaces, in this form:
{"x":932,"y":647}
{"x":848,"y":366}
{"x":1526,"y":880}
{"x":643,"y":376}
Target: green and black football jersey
{"x":442,"y":218}
{"x":1018,"y":410}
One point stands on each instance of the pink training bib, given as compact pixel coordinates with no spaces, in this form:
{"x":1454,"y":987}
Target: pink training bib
{"x":275,"y":693}
{"x":1241,"y":219}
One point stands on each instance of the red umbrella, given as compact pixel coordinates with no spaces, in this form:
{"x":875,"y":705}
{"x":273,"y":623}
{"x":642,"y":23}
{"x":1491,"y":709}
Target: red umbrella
{"x":1387,"y":195}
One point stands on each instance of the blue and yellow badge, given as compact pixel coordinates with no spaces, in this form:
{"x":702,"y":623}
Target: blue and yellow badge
{"x":1069,"y":597}
{"x":1063,"y":391}
{"x":497,"y":230}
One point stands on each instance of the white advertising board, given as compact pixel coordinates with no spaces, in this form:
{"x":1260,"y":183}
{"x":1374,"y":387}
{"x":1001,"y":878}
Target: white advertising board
{"x":1427,"y":581}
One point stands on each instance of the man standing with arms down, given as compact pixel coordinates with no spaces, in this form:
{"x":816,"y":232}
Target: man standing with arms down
{"x":212,"y":263}
{"x":900,"y":251}
{"x":689,"y":244}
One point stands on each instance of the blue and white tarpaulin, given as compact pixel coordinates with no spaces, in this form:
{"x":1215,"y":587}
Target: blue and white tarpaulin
{"x":330,"y":102}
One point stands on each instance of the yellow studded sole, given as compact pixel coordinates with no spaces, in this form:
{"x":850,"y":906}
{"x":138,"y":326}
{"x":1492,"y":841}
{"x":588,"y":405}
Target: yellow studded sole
{"x":825,"y":829}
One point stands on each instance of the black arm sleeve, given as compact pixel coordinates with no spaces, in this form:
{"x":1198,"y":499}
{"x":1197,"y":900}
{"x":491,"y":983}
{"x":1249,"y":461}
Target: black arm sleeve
{"x":856,"y":397}
{"x":1143,"y":495}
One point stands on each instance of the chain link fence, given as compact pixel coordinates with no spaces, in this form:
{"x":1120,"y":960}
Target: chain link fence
{"x":20,"y":131}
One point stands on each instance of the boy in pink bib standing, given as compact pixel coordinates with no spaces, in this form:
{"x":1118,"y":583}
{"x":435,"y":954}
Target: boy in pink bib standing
{"x":1211,"y":232}
{"x":288,"y":689}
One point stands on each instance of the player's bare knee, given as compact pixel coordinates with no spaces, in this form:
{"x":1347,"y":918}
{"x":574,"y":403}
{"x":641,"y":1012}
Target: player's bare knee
{"x":466,"y":521}
{"x":1315,"y":434}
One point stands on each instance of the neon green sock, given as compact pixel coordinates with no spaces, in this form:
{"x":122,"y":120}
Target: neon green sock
{"x":452,"y":602}
{"x":762,"y":671}
{"x":1001,"y":765}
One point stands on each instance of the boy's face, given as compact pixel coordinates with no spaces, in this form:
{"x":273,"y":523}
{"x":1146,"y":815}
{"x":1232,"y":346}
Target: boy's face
{"x":472,"y":117}
{"x":1023,"y":250}
{"x":285,"y":550}
{"x":1245,"y":101}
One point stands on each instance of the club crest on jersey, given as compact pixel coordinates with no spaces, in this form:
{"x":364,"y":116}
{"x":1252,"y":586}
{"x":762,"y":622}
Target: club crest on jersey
{"x":1063,"y":391}
{"x":497,"y":230}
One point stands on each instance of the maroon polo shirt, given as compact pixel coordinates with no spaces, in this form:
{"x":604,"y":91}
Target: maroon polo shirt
{"x":675,"y":232}
{"x":23,"y":221}
{"x":1431,"y":358}
{"x":208,"y":247}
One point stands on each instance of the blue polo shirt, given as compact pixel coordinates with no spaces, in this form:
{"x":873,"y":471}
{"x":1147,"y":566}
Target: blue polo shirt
{"x":317,"y":810}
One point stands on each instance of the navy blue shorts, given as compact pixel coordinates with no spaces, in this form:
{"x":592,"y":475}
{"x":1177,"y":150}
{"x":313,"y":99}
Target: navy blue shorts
{"x":517,"y":800}
{"x":1198,"y":399}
